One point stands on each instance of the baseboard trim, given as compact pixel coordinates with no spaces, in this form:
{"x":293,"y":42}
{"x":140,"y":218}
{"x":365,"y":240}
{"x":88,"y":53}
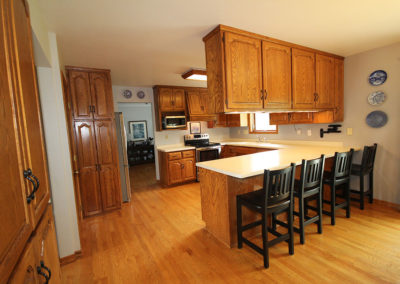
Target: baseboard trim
{"x":70,"y":258}
{"x":387,"y":203}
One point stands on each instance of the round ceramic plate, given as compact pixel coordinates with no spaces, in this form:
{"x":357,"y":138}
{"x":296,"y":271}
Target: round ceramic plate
{"x":377,"y":77}
{"x":140,"y":94}
{"x":127,"y":94}
{"x":376,"y":119}
{"x":376,"y":98}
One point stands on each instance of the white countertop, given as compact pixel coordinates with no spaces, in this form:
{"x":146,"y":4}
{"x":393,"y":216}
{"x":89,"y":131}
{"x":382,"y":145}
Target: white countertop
{"x":174,"y":148}
{"x":254,"y":164}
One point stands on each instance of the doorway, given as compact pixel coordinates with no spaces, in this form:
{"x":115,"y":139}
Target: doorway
{"x":140,"y":151}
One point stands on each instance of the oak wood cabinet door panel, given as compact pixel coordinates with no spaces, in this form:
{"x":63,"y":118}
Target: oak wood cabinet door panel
{"x":277,"y":76}
{"x":25,"y":271}
{"x":300,"y":117}
{"x":233,"y":120}
{"x":338,"y":114}
{"x":102,"y":100}
{"x":165,"y":98}
{"x":325,"y":81}
{"x":195,"y":103}
{"x":79,"y":85}
{"x":243,"y":72}
{"x":30,"y":123}
{"x":303,"y":79}
{"x":107,"y":159}
{"x":87,"y":162}
{"x":175,"y":171}
{"x":189,"y":169}
{"x":278,"y":118}
{"x":179,"y":99}
{"x":15,"y":226}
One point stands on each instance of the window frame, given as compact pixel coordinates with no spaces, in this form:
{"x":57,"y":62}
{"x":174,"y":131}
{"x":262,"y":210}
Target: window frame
{"x":251,"y":126}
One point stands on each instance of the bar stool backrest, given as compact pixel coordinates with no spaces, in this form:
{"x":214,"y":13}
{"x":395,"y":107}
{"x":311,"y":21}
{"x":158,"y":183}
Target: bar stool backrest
{"x":342,"y":164}
{"x":368,"y":158}
{"x":312,"y":172}
{"x":279,"y":185}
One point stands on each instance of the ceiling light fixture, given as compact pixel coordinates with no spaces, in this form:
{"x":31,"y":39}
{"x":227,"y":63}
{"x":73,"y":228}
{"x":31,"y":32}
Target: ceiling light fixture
{"x":195,"y":74}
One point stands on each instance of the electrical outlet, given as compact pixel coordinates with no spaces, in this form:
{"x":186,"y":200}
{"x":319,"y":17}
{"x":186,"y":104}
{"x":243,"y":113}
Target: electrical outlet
{"x":298,"y":131}
{"x":349,"y":131}
{"x":309,"y":132}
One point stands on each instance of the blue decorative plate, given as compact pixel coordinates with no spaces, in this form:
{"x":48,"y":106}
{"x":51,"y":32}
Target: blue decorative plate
{"x":377,"y":77}
{"x":376,"y":119}
{"x":376,"y":98}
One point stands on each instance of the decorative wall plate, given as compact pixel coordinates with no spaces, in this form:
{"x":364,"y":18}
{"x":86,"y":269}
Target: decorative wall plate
{"x":376,"y":98}
{"x":376,"y":119}
{"x":140,"y":94}
{"x":127,"y":94}
{"x":377,"y":77}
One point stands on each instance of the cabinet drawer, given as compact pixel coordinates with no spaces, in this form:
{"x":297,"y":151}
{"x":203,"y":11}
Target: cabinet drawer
{"x":174,"y":156}
{"x":187,"y":154}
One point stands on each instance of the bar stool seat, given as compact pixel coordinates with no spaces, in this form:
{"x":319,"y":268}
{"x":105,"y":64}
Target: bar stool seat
{"x":255,"y":200}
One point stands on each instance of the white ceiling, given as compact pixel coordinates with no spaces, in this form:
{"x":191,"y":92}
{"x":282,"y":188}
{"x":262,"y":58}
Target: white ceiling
{"x":148,"y":42}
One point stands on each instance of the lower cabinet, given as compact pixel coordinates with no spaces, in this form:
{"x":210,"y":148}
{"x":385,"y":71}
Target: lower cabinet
{"x":40,"y":261}
{"x":228,"y":151}
{"x":177,"y":167}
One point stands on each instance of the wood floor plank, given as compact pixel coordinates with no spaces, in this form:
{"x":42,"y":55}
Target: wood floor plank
{"x":159,"y":238}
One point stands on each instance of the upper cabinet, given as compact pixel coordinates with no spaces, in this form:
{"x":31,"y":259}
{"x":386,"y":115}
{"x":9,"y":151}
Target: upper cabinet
{"x":171,"y":99}
{"x":90,"y":93}
{"x":250,"y":72}
{"x":277,"y":75}
{"x":243,"y":67}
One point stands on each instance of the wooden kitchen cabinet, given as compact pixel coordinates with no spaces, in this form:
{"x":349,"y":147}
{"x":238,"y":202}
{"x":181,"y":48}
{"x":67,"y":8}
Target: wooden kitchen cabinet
{"x":228,"y":151}
{"x":177,"y":167}
{"x":243,"y":72}
{"x":248,"y":72}
{"x":291,"y":118}
{"x":279,"y":118}
{"x":95,"y":140}
{"x":23,"y":163}
{"x":171,"y":99}
{"x":197,"y":104}
{"x":277,"y":76}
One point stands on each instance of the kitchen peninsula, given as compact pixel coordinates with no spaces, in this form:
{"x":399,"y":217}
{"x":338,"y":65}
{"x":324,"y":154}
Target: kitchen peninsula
{"x":221,"y":180}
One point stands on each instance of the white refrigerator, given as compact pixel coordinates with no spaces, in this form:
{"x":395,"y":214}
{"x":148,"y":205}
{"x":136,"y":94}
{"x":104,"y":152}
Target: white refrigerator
{"x":123,"y":157}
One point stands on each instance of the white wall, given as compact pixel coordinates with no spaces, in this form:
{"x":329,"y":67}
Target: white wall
{"x":57,"y":148}
{"x":135,"y":112}
{"x":356,"y":89}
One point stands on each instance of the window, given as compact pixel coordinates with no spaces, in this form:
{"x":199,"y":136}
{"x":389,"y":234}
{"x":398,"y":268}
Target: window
{"x":259,"y":123}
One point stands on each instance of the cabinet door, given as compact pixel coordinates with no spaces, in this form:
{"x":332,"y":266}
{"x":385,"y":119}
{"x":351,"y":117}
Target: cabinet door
{"x":165,"y":99}
{"x":278,"y":118}
{"x":325,"y":81}
{"x":79,"y":86}
{"x":108,"y":161}
{"x":243,"y":72}
{"x":25,"y":272}
{"x":189,"y":169}
{"x":277,"y":76}
{"x":233,"y":120}
{"x":175,"y":171}
{"x":102,"y":99}
{"x":338,"y":114}
{"x":178,"y":99}
{"x":303,"y":78}
{"x":15,"y":225}
{"x":87,"y":163}
{"x":195,"y":103}
{"x":300,"y":117}
{"x":30,"y":122}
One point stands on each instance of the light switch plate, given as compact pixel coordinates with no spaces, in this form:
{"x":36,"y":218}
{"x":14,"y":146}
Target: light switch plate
{"x":349,"y":131}
{"x":298,"y":131}
{"x":309,"y":132}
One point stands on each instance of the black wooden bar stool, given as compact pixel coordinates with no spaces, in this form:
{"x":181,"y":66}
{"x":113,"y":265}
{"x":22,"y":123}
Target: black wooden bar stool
{"x":366,"y":168}
{"x":339,"y":176}
{"x":276,"y":195}
{"x":307,"y":188}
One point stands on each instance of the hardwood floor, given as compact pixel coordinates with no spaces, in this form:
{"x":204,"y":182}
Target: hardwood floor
{"x":159,"y":238}
{"x":143,"y":177}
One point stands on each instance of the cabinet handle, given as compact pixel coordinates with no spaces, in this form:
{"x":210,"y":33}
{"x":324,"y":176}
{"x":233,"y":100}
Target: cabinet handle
{"x":262,"y":95}
{"x":182,"y":166}
{"x":266,"y":94}
{"x":40,"y":272}
{"x":94,"y":109}
{"x":29,"y":175}
{"x":317,"y":96}
{"x":90,"y":108}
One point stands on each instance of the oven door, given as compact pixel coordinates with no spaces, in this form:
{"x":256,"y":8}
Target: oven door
{"x":207,"y":154}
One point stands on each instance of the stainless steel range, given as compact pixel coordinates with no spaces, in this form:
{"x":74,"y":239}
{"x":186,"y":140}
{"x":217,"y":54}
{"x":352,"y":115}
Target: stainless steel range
{"x":205,"y":150}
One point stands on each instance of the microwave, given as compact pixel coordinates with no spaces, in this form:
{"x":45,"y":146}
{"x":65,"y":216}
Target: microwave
{"x":169,"y":122}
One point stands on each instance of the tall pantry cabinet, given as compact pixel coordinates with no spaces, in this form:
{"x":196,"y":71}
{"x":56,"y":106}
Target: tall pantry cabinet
{"x":24,"y":183}
{"x":95,"y":139}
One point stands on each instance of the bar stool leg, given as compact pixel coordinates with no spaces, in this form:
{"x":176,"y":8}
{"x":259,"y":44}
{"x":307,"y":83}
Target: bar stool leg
{"x":319,"y":207}
{"x":290,"y":231}
{"x":265,"y":241}
{"x":239,"y":223}
{"x":361,"y":191}
{"x":371,"y":187}
{"x":301,"y":213}
{"x":333,"y":204}
{"x":347,"y":188}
